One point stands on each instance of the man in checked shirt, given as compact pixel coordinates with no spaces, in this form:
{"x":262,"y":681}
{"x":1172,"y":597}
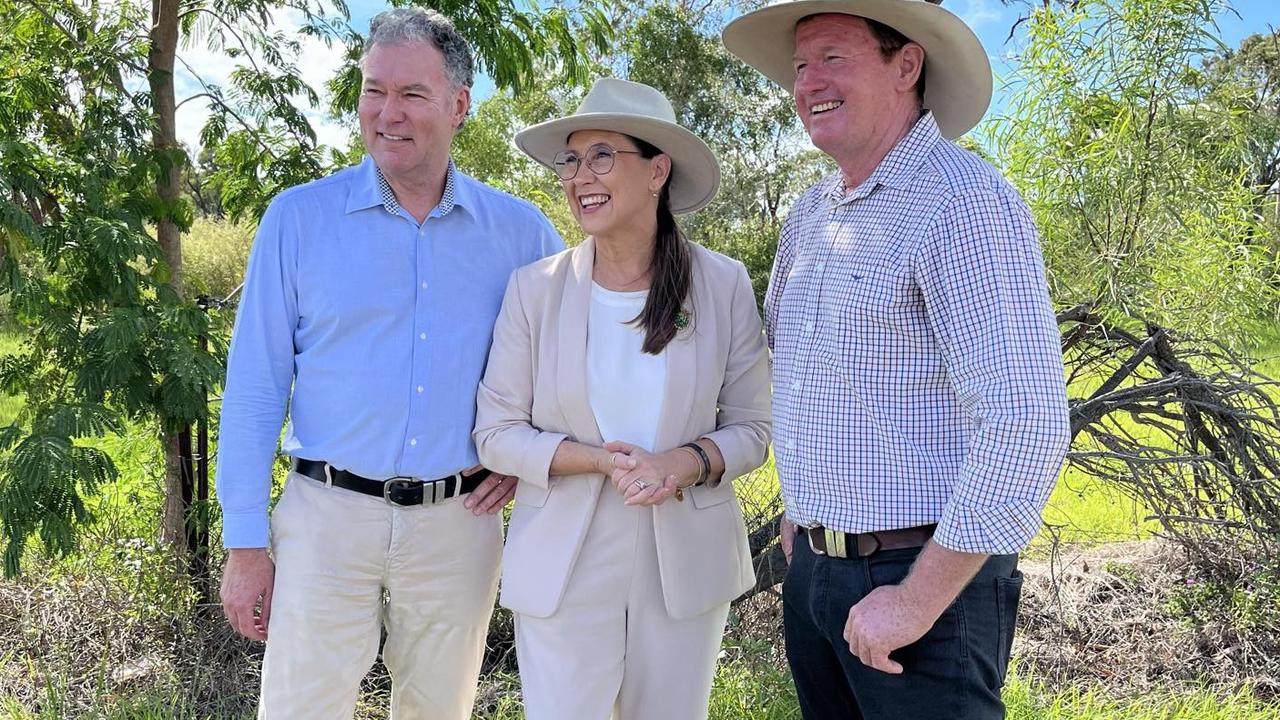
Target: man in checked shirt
{"x":920,"y":413}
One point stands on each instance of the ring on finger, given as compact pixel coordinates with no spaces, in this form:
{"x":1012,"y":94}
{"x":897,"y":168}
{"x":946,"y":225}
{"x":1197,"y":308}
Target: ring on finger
{"x":640,"y":483}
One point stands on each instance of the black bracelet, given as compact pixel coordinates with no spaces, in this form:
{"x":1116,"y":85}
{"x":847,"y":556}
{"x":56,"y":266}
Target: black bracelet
{"x":703,"y":458}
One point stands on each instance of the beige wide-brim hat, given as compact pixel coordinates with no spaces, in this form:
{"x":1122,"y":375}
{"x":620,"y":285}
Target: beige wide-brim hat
{"x":957,"y":71}
{"x":640,"y":111}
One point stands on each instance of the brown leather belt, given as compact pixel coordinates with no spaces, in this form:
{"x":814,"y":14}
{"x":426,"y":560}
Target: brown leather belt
{"x":834,"y":543}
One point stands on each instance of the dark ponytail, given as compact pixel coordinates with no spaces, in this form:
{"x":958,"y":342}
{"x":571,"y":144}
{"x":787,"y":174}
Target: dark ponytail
{"x":670,"y":272}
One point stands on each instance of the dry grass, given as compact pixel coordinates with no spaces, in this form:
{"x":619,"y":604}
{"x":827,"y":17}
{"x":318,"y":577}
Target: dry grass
{"x":1136,"y":618}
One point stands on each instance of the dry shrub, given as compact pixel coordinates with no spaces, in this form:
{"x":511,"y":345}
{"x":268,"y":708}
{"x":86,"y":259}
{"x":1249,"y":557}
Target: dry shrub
{"x":1140,"y":616}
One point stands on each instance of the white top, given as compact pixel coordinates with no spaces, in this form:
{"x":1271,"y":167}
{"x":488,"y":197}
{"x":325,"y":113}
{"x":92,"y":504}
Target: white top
{"x":625,"y":386}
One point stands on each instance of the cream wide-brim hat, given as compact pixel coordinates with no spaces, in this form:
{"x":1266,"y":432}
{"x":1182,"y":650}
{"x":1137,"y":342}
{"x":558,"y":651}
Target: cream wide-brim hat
{"x":956,"y":68}
{"x":642,"y":112}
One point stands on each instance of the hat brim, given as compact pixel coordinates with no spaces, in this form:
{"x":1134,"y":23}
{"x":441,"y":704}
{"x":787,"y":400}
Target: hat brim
{"x":695,"y":173}
{"x":957,"y":70}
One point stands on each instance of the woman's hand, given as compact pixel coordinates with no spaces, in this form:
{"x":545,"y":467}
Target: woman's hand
{"x":643,"y":478}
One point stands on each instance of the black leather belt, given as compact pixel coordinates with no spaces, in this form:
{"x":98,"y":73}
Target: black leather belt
{"x":397,"y":490}
{"x":844,"y":545}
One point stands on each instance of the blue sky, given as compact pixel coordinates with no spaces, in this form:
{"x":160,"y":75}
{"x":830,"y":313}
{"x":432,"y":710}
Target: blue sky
{"x":990,"y":19}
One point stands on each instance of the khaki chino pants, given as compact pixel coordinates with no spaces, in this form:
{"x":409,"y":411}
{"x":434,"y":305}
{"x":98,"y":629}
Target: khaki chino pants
{"x":337,"y":552}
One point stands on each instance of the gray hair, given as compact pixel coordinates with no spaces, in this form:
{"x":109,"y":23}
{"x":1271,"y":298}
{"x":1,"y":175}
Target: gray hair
{"x":417,"y":24}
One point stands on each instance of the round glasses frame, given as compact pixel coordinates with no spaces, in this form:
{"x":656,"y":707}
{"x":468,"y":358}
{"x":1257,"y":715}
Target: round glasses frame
{"x":600,"y":158}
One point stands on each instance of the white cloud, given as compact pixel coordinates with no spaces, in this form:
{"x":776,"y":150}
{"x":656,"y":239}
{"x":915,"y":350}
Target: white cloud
{"x":316,"y":62}
{"x":979,"y":12}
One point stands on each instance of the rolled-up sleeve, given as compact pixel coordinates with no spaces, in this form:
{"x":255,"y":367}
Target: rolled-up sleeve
{"x":982,"y":277}
{"x":743,"y":420}
{"x":506,"y":440}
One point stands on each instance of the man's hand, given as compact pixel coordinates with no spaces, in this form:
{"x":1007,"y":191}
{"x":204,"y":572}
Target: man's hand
{"x":492,"y":494}
{"x":883,"y":621}
{"x":894,"y":616}
{"x":787,"y":535}
{"x":247,"y":580}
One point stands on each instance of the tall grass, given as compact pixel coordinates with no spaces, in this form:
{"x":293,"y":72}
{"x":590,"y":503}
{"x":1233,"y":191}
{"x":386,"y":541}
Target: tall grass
{"x":742,"y":691}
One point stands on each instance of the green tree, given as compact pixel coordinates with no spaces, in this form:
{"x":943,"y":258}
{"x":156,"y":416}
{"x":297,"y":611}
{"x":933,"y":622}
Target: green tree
{"x":765,"y":158}
{"x":92,"y":213}
{"x":1135,"y":179}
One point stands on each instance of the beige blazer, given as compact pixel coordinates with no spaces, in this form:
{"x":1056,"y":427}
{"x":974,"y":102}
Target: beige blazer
{"x":534,"y":395}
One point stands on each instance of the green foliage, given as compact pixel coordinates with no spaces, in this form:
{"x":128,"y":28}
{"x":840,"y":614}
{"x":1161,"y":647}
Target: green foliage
{"x":264,"y":144}
{"x":750,"y":123}
{"x":106,"y":338}
{"x":483,"y":149}
{"x":1247,"y":604}
{"x":107,"y":333}
{"x":1136,"y":178}
{"x":214,"y":256}
{"x":1246,"y":84}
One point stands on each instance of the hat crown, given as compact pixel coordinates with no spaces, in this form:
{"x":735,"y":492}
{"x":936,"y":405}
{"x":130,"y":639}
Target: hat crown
{"x":621,"y":97}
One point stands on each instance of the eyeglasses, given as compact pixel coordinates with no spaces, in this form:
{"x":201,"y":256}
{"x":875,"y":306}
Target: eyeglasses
{"x":598,"y":157}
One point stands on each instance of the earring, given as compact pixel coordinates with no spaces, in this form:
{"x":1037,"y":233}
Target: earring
{"x":654,"y":194}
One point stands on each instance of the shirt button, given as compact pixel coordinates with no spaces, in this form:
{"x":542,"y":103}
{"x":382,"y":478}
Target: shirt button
{"x":424,"y":284}
{"x":413,"y":441}
{"x":819,"y":266}
{"x":795,"y":384}
{"x":422,"y":336}
{"x":808,"y":328}
{"x":790,"y":445}
{"x":420,"y":388}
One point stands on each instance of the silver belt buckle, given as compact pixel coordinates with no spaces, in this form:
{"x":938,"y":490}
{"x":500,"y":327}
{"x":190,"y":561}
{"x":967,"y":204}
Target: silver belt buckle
{"x":808,"y":536}
{"x":403,"y":482}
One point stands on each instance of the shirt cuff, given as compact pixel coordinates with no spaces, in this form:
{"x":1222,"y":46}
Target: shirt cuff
{"x":245,"y":530}
{"x":991,"y":530}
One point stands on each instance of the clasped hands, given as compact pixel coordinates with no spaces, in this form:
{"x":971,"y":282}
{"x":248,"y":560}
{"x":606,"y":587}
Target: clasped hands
{"x":645,"y":478}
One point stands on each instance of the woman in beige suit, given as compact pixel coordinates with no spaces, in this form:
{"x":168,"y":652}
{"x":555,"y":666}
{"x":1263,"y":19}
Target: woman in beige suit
{"x":627,"y":387}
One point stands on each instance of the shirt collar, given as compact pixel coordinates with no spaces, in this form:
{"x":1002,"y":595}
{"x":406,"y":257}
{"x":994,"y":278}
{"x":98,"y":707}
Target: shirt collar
{"x":900,"y":166}
{"x":373,"y":189}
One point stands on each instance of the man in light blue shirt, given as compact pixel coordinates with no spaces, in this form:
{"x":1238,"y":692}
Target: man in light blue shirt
{"x":368,"y":309}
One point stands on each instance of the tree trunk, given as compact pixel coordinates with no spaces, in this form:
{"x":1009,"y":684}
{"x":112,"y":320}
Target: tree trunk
{"x":164,"y":48}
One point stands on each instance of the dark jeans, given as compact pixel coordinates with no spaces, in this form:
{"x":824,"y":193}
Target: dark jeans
{"x":954,"y":672}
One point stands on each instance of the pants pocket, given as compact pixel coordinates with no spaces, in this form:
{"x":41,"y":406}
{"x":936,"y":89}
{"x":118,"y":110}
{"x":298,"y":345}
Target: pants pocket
{"x":1008,"y":595}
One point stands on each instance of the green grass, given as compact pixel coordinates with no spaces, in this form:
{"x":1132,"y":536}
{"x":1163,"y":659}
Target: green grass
{"x":743,"y":690}
{"x":1027,"y":701}
{"x":1084,"y":509}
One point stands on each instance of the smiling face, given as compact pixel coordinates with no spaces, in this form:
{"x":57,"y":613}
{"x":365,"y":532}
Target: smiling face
{"x":848,"y":96}
{"x":621,"y":200}
{"x":409,"y":110}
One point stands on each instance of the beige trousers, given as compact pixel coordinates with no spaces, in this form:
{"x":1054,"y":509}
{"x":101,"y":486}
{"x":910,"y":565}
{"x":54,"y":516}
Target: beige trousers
{"x":611,"y":649}
{"x":337,"y":552}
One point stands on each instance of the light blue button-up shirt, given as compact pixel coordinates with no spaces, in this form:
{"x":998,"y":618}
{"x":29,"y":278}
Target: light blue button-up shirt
{"x":373,"y":329}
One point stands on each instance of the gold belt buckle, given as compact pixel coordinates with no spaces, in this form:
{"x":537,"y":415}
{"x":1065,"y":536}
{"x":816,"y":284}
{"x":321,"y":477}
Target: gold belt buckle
{"x":835,"y":543}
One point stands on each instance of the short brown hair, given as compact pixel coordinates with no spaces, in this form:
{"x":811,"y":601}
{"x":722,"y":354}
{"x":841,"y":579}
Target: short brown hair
{"x":891,"y":41}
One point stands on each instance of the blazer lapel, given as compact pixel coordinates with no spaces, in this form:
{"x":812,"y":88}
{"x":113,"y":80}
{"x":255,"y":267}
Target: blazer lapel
{"x":571,"y":370}
{"x":682,"y":371}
